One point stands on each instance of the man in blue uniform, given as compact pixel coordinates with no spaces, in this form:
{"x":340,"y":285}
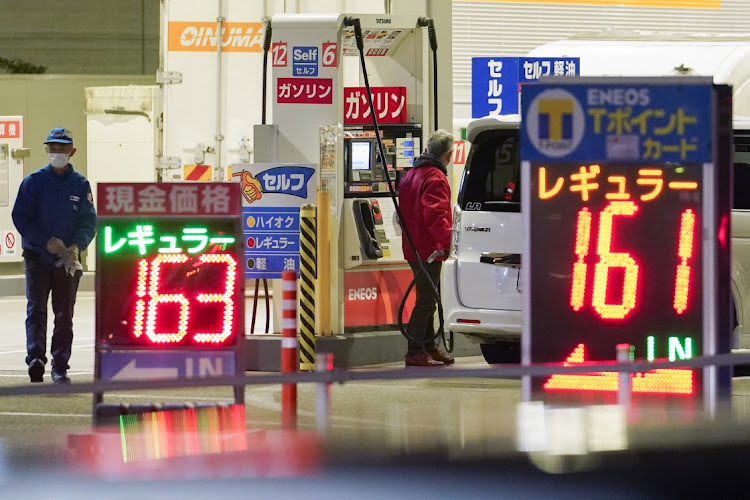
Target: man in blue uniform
{"x":55,"y":215}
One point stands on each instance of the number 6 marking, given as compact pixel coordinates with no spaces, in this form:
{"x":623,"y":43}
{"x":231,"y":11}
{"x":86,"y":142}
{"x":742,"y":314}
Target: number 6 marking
{"x":609,"y":260}
{"x":329,"y":57}
{"x":157,"y":298}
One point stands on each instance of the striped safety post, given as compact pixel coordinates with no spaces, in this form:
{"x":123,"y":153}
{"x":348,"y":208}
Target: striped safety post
{"x":307,"y":267}
{"x":289,"y":345}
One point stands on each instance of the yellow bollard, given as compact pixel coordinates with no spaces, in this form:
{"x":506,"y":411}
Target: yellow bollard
{"x":307,"y":266}
{"x":324,"y":263}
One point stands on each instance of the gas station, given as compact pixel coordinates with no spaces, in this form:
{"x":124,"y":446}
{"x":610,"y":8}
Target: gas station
{"x":321,"y":117}
{"x":626,"y":228}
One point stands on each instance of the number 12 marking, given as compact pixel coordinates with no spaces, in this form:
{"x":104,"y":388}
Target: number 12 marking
{"x":609,"y":260}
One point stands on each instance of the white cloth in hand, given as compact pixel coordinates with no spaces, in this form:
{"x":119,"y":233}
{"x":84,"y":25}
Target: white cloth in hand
{"x":69,"y":259}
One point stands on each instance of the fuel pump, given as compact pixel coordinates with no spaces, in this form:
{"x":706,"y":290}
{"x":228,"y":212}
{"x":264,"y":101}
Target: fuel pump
{"x":369,"y":210}
{"x":321,"y":114}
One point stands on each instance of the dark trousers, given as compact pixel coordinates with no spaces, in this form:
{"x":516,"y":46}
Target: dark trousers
{"x":41,"y":279}
{"x":421,"y":327}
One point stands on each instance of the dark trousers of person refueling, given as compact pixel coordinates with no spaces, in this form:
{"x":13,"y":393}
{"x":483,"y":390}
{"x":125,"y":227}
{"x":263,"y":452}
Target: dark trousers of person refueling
{"x":422,"y":323}
{"x":42,"y":279}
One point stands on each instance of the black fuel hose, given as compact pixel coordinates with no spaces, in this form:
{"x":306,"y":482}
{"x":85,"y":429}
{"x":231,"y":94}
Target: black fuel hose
{"x":355,"y":23}
{"x":430,"y":24}
{"x":266,"y":46}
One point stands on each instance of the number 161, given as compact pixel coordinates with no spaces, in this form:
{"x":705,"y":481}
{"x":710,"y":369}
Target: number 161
{"x":609,"y":260}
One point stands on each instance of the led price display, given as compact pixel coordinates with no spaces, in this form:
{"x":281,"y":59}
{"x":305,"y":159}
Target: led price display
{"x":616,"y":252}
{"x":171,"y":283}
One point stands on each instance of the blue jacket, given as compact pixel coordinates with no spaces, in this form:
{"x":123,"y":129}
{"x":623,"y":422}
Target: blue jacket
{"x":49,"y":205}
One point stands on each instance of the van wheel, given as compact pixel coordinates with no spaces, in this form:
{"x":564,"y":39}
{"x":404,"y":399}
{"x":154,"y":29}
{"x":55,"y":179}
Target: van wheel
{"x":501,"y":352}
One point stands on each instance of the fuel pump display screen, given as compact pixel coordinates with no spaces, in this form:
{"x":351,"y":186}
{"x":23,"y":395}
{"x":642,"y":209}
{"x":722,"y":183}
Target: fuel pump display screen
{"x":361,"y":155}
{"x":617,"y":259}
{"x":168,"y":283}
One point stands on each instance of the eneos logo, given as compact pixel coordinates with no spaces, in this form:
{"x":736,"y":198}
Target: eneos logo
{"x":370,"y":293}
{"x":201,"y":37}
{"x":555,"y":123}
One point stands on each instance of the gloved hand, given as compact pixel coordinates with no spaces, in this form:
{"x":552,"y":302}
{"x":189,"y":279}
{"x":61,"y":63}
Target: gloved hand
{"x":70,"y":260}
{"x":55,"y":246}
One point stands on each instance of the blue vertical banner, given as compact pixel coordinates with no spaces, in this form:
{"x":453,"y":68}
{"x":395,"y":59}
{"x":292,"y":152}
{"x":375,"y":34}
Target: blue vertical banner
{"x":496,"y":81}
{"x":272,"y":195}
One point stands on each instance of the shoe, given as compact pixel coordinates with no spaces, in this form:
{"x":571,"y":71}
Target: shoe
{"x":60,"y":378}
{"x":36,"y":370}
{"x":421,"y":359}
{"x":439,"y":355}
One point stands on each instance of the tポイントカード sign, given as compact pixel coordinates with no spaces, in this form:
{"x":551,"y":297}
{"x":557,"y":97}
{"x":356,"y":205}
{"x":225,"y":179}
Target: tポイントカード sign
{"x":627,"y":179}
{"x":169,"y":279}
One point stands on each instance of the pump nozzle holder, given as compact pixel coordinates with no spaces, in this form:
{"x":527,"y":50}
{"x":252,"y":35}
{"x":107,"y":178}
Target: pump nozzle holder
{"x":432,"y":34}
{"x":267,"y":35}
{"x":354,"y":21}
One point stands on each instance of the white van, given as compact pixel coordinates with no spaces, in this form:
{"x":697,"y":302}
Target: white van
{"x":481,"y":281}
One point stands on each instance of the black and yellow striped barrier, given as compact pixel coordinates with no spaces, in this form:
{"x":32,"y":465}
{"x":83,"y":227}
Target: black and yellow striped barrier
{"x":307,"y":258}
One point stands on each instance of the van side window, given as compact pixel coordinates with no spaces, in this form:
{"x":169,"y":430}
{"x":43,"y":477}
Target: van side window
{"x":741,"y":171}
{"x":493,"y":173}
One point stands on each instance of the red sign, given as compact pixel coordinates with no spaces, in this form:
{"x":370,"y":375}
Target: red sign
{"x":459,"y":152}
{"x":376,"y":52}
{"x":279,"y":54}
{"x":169,"y":199}
{"x":373,"y":297}
{"x":330,"y":57}
{"x":10,"y":129}
{"x":389,"y":102}
{"x":304,"y":91}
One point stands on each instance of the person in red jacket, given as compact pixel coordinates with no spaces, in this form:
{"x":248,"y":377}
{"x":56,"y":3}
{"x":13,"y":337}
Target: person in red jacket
{"x":425,"y":200}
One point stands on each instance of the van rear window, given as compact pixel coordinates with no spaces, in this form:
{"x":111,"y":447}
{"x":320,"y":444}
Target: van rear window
{"x":493,"y":173}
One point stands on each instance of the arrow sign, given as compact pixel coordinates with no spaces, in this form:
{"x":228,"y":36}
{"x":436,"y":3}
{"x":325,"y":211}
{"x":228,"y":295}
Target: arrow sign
{"x":149,"y":365}
{"x":132,"y":372}
{"x":660,"y":381}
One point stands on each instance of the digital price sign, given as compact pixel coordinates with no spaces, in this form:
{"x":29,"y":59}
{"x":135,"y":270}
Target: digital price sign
{"x":169,"y":280}
{"x":178,"y":283}
{"x":626,"y":209}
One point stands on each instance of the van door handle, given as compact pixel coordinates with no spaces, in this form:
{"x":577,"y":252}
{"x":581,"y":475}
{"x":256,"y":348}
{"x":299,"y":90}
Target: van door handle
{"x":501,"y":259}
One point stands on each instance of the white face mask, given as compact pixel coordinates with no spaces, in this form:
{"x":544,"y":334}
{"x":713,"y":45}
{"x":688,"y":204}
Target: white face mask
{"x":58,"y":160}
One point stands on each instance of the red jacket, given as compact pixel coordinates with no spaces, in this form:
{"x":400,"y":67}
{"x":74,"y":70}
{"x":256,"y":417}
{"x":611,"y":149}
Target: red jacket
{"x":424,"y":197}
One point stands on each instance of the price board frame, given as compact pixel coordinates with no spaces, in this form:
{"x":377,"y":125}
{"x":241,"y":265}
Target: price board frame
{"x":626,"y":210}
{"x":169,"y":283}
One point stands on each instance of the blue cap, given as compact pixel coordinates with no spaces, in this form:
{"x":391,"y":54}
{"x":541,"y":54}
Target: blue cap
{"x":60,"y":135}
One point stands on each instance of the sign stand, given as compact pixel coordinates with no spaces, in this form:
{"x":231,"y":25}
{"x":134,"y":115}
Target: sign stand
{"x":628,"y":180}
{"x":169,"y":282}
